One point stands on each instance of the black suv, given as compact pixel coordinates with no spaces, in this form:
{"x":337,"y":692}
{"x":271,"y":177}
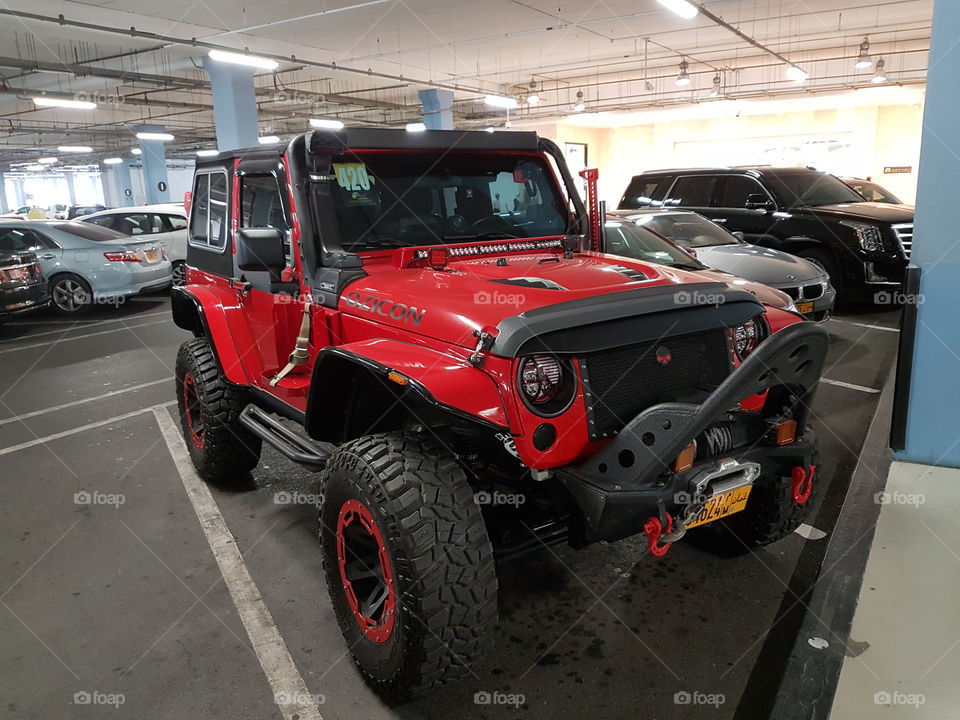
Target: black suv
{"x":864,"y":246}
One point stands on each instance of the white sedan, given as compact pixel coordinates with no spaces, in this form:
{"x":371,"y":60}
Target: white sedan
{"x":167,"y":224}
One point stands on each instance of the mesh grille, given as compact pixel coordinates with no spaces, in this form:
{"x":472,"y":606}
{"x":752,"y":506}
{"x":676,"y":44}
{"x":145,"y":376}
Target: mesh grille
{"x":623,"y":381}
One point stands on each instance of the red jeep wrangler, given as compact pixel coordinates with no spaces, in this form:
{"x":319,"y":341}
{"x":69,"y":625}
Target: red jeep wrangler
{"x":421,"y":318}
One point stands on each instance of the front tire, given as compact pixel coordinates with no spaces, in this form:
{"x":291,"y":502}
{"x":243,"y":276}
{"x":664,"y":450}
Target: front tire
{"x":223,"y":451}
{"x":408,"y":561}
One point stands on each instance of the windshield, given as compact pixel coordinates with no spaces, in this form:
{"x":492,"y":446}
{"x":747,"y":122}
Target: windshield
{"x":809,"y":189}
{"x":630,"y":240}
{"x":688,"y":230}
{"x":873,"y":192}
{"x":388,"y":200}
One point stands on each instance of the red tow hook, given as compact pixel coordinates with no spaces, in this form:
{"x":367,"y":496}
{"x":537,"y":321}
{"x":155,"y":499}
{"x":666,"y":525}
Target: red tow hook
{"x":653,"y":530}
{"x":803,"y":483}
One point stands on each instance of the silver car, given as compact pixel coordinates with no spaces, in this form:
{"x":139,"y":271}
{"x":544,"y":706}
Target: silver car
{"x":806,"y":283}
{"x":86,"y":264}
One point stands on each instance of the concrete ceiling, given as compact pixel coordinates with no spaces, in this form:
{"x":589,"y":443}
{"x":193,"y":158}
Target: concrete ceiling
{"x":364,"y":60}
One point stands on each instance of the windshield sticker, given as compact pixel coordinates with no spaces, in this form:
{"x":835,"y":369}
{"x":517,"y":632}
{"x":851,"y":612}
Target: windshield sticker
{"x":354,"y":178}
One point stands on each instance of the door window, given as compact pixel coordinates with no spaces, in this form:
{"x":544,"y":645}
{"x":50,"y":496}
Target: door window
{"x":103,"y":221}
{"x":208,"y":214}
{"x":173,"y":222}
{"x":693,"y":191}
{"x":736,"y":189}
{"x":262,"y":203}
{"x":644,"y":192}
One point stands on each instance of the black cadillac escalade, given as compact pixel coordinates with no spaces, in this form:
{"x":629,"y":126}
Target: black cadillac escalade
{"x":864,"y":246}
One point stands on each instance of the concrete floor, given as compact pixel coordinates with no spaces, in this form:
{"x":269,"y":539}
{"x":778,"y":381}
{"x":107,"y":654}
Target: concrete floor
{"x":109,"y":599}
{"x":907,"y":625}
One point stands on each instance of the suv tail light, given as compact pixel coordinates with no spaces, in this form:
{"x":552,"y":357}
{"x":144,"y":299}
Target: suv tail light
{"x":123,"y":256}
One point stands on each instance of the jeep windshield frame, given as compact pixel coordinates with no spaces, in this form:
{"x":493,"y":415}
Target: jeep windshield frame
{"x":383,"y":200}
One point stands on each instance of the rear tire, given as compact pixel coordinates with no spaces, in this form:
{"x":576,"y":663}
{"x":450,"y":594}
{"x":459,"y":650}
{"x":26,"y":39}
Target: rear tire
{"x":178,"y":274}
{"x":223,"y":451}
{"x":438,"y":562}
{"x":70,"y":295}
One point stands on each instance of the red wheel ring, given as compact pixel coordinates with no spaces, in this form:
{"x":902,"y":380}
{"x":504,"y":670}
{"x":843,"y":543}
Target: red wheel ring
{"x":368,"y":586}
{"x":191,"y":409}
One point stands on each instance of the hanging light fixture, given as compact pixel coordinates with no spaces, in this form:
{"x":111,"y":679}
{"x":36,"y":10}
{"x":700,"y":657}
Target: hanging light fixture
{"x":717,"y":82}
{"x":864,"y":60}
{"x":880,"y":76}
{"x":683,"y":79}
{"x":580,"y":105}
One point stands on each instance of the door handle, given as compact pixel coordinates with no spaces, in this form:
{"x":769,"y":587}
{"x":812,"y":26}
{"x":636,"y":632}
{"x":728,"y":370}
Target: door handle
{"x":48,"y":256}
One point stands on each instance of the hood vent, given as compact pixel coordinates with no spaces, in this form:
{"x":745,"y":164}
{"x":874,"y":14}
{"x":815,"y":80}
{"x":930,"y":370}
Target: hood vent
{"x":531,"y":282}
{"x":631,"y":273}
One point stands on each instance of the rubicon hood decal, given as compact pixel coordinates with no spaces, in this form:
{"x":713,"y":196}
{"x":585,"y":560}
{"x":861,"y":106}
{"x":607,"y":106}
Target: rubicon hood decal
{"x":385,"y":307}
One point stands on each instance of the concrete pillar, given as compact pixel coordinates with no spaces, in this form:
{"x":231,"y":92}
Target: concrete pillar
{"x":71,"y":190}
{"x":4,"y":207}
{"x":154,"y":159}
{"x":234,"y":104}
{"x":19,"y":196}
{"x":117,"y":185}
{"x":932,"y":435}
{"x":437,"y":109}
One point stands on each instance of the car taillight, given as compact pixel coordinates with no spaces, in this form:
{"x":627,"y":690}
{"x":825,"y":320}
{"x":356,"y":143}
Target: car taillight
{"x":123,"y":256}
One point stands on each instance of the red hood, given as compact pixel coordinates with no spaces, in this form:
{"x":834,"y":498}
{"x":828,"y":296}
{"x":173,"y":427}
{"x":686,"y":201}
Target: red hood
{"x":469,"y":294}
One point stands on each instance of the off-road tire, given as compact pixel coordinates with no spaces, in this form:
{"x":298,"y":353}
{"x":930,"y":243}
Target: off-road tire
{"x":228,"y":451}
{"x":771,"y":514}
{"x":440,"y":553}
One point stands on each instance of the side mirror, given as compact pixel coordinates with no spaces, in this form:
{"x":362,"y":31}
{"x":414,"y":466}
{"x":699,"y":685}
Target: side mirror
{"x":738,"y":234}
{"x":758,"y":201}
{"x":260,"y":249}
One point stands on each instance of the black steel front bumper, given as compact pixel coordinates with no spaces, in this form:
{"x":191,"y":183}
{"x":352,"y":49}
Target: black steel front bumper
{"x":630,"y":479}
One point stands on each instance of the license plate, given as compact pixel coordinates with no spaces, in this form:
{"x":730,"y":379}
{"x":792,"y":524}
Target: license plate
{"x":804,"y":308}
{"x":720,"y":506}
{"x":152,"y":255}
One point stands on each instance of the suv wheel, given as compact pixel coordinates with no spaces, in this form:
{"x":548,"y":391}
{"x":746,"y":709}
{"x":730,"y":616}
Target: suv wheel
{"x":408,"y":561}
{"x":222,"y":450}
{"x":71,"y":294}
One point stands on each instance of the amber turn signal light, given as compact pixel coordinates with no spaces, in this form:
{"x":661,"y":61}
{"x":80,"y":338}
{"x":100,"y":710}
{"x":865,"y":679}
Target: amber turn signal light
{"x":685,"y":459}
{"x":396,"y":377}
{"x":786,"y":432}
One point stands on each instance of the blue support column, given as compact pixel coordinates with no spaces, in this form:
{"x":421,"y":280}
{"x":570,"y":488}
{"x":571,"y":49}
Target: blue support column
{"x":234,"y":104}
{"x":154,"y":159}
{"x":4,"y":208}
{"x":933,"y":433}
{"x":437,"y":109}
{"x":68,"y":176}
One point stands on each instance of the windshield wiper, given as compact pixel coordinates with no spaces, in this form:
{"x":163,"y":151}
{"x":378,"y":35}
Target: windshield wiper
{"x":480,"y":236}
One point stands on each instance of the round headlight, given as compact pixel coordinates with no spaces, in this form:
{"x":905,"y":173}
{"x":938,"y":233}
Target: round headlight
{"x":547,"y":384}
{"x":745,"y":338}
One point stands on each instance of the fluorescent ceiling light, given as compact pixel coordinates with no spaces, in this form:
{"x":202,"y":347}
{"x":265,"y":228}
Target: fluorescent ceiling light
{"x":112,"y":161}
{"x":500,"y":101}
{"x":75,"y":148}
{"x":136,"y":151}
{"x":207,"y":153}
{"x":416,"y":127}
{"x":47,"y":160}
{"x":489,"y":129}
{"x":683,"y":8}
{"x":797,"y":74}
{"x":35,"y":168}
{"x":243,"y":59}
{"x":164,"y":137}
{"x":268,"y":139}
{"x":326,"y":123}
{"x":44,"y":101}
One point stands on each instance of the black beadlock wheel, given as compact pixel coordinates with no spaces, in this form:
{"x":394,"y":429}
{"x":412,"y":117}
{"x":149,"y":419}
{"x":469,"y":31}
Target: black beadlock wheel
{"x":408,"y":561}
{"x":771,"y":514}
{"x":222,"y":450}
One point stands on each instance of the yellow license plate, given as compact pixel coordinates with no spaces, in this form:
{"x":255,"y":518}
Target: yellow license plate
{"x":804,"y":308}
{"x":152,"y":255}
{"x":730,"y":502}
